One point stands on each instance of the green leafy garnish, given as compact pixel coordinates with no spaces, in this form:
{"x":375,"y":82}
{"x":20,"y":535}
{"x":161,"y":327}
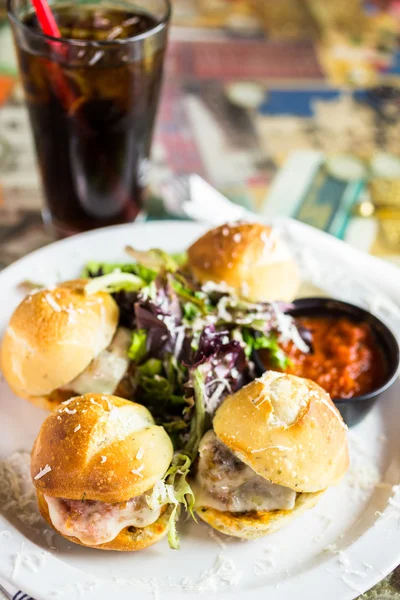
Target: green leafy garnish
{"x":151,"y":367}
{"x":180,"y":258}
{"x":155,"y":259}
{"x":137,"y":349}
{"x":174,"y":426}
{"x":175,"y":490}
{"x":149,"y":291}
{"x":155,"y":387}
{"x":96,"y":269}
{"x":278,"y":357}
{"x":198,"y":420}
{"x":190,"y":311}
{"x":188,"y":295}
{"x":114,"y":282}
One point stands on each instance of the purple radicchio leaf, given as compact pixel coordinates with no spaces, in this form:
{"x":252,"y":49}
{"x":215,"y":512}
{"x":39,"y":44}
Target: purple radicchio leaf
{"x":222,"y":364}
{"x":160,"y":316}
{"x":210,"y":342}
{"x":159,"y":337}
{"x":126,"y":304}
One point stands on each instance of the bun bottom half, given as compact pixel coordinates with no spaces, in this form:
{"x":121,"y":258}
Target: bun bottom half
{"x":129,"y":539}
{"x":51,"y":401}
{"x":58,"y":396}
{"x":253,"y":525}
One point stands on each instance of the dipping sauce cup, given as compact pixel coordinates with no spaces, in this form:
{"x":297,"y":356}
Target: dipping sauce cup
{"x":354,"y":354}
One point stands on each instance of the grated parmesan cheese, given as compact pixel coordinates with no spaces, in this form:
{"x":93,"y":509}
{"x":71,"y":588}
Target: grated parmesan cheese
{"x":265,"y":564}
{"x":180,"y":338}
{"x":149,"y":585}
{"x":43,"y":472}
{"x":140,"y":453}
{"x":17,"y":493}
{"x":52,"y":303}
{"x":211,"y":403}
{"x":5,"y":533}
{"x":223,"y":574}
{"x":278,"y":446}
{"x":138,"y":471}
{"x":214,"y":536}
{"x":17,"y":562}
{"x":394,"y":503}
{"x":108,"y":402}
{"x":103,"y":459}
{"x":77,"y":428}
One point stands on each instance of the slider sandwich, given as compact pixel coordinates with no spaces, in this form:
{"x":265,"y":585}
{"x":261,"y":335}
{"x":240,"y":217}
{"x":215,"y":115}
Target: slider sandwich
{"x":248,"y":258}
{"x":98,"y":465}
{"x":276,"y":446}
{"x":65,"y":341}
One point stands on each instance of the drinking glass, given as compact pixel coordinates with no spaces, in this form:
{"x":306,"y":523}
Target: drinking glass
{"x":92,"y":98}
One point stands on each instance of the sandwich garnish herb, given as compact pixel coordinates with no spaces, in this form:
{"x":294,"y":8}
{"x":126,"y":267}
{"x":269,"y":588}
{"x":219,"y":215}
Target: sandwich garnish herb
{"x":191,"y":346}
{"x":174,"y":489}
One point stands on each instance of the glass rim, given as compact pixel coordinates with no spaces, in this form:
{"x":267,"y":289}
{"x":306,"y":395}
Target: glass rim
{"x":96,"y":43}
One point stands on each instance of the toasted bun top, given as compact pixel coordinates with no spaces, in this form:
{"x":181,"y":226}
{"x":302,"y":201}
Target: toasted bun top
{"x":250,"y":258}
{"x":287,"y":430}
{"x":99,"y":447}
{"x":53,"y":335}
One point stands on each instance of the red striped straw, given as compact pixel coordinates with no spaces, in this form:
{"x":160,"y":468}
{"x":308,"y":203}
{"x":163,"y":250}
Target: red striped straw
{"x":49,"y":27}
{"x":46,"y":18}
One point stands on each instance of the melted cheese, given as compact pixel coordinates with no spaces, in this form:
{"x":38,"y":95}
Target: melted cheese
{"x":95,"y":523}
{"x":225,"y":483}
{"x":106,"y":370}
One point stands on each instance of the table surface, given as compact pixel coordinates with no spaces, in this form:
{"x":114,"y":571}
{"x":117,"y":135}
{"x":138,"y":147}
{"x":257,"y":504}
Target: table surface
{"x":251,"y":113}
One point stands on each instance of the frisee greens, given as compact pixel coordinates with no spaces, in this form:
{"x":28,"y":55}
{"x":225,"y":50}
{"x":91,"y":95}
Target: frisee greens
{"x":174,"y":489}
{"x":114,"y":282}
{"x":155,"y":258}
{"x":189,"y":294}
{"x":198,"y":420}
{"x":96,"y":269}
{"x":154,"y":387}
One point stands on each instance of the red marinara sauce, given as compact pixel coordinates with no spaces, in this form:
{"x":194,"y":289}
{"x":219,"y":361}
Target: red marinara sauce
{"x":345,"y":359}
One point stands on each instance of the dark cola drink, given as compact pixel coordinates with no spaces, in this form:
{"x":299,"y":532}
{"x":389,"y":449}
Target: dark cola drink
{"x":92,"y":101}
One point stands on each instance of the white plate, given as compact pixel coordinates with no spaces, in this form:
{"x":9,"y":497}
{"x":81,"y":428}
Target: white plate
{"x":339,"y":549}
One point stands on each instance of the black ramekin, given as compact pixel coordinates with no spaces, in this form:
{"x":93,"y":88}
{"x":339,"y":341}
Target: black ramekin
{"x":353,"y":410}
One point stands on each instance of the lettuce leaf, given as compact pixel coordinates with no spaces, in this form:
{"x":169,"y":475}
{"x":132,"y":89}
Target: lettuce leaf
{"x":137,"y":350}
{"x":269,"y":342}
{"x":175,"y":490}
{"x":155,"y":259}
{"x":114,"y":282}
{"x":96,"y":269}
{"x":156,"y":388}
{"x":187,"y":293}
{"x":198,"y":420}
{"x":180,"y":258}
{"x":190,"y":311}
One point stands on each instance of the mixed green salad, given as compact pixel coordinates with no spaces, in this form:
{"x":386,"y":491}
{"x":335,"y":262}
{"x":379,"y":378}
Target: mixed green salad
{"x":191,"y":346}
